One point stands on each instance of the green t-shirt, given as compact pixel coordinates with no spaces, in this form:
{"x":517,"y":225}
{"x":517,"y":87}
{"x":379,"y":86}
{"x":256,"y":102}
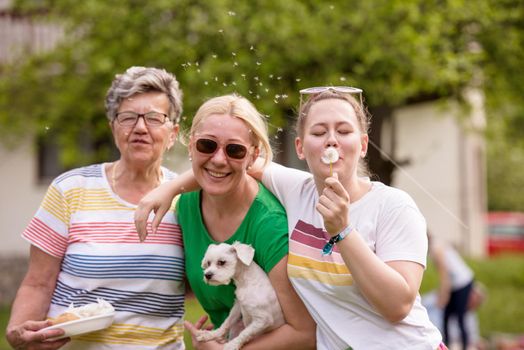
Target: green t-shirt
{"x":264,"y":227}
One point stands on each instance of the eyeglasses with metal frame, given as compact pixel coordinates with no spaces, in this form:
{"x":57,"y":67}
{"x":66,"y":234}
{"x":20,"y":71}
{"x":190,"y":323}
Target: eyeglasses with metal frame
{"x":152,"y":119}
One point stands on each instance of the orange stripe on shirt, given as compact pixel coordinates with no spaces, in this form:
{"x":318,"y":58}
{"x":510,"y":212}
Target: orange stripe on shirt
{"x":322,"y":277}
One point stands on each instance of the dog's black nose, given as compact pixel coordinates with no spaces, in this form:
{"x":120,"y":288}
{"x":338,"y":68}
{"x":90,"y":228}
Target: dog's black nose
{"x":208,"y":275}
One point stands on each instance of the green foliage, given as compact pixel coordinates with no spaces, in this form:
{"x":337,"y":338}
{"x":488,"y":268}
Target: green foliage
{"x":398,"y":51}
{"x":505,"y":161}
{"x":503,"y":72}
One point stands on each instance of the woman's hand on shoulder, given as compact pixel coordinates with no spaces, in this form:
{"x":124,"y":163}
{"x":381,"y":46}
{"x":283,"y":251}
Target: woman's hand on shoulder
{"x":29,"y":335}
{"x":157,"y":201}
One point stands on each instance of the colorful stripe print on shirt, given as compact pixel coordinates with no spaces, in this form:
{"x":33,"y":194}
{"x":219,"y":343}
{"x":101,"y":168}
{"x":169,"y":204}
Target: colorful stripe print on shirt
{"x":90,"y":228}
{"x":307,"y":262}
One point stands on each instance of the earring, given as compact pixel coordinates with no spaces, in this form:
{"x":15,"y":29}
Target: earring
{"x":190,"y":158}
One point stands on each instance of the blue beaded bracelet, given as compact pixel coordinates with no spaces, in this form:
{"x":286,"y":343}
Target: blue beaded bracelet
{"x":328,"y":248}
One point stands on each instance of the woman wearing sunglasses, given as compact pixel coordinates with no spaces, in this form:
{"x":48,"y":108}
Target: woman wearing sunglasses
{"x":226,"y":137}
{"x":357,"y":248}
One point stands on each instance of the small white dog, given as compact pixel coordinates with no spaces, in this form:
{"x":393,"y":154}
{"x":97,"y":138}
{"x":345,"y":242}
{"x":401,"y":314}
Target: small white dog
{"x":256,"y":301}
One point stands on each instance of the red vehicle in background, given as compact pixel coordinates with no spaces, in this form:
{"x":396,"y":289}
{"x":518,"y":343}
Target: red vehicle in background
{"x":505,"y":232}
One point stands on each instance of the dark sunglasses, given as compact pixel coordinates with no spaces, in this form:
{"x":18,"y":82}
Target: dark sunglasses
{"x":233,"y":150}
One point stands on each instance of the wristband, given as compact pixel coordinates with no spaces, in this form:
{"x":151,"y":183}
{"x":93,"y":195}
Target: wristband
{"x":328,"y":248}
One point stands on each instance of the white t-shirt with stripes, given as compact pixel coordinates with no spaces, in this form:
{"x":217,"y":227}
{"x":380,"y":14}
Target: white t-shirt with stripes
{"x":394,"y":229}
{"x":84,"y":223}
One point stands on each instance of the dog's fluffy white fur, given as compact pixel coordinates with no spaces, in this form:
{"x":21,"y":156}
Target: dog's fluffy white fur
{"x":256,"y":301}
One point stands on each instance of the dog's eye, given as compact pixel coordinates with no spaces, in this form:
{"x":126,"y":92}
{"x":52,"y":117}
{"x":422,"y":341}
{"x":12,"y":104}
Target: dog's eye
{"x":221,"y":262}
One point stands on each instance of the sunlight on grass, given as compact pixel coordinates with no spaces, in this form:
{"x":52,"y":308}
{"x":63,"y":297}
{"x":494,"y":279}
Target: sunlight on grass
{"x":193,"y":313}
{"x":4,"y":318}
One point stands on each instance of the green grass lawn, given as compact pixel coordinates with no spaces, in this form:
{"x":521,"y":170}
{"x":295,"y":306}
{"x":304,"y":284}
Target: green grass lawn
{"x":503,"y":277}
{"x":503,"y":311}
{"x":193,"y":313}
{"x":4,"y":317}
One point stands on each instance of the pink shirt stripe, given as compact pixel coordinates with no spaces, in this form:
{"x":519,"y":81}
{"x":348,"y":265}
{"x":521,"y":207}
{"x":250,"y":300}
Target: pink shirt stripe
{"x":45,"y":237}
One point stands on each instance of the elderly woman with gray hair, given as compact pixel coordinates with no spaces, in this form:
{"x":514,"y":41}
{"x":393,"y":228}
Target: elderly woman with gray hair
{"x":84,"y":245}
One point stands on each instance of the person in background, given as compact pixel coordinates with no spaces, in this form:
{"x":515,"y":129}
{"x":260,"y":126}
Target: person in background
{"x":84,"y":244}
{"x":455,"y":286}
{"x":357,"y":248}
{"x":227,"y":135}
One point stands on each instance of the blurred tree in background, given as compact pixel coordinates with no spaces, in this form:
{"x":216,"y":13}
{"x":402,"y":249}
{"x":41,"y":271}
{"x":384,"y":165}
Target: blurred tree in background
{"x":398,"y":51}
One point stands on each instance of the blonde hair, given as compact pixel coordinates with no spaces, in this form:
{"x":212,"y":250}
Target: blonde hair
{"x":362,"y":114}
{"x":238,"y":107}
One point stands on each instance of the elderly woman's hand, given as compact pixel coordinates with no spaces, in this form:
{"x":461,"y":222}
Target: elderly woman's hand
{"x":29,"y":335}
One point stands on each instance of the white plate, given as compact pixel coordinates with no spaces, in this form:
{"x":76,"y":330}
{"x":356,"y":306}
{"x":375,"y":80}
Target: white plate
{"x":83,"y":325}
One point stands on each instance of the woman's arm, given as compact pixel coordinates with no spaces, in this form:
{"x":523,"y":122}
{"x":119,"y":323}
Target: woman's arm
{"x":159,"y":201}
{"x":299,"y":331}
{"x":32,"y":303}
{"x":391,"y":287}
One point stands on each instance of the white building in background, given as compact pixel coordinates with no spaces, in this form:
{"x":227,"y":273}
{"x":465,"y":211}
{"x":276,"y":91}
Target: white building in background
{"x":446,"y":174}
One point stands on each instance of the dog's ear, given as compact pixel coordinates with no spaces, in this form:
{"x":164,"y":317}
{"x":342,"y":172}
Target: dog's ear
{"x":244,"y":252}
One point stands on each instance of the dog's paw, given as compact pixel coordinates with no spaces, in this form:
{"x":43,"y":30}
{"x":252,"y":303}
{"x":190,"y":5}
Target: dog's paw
{"x":205,"y":335}
{"x":232,"y":345}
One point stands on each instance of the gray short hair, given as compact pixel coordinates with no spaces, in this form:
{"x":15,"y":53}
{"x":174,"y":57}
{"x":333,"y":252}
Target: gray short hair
{"x":137,"y":80}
